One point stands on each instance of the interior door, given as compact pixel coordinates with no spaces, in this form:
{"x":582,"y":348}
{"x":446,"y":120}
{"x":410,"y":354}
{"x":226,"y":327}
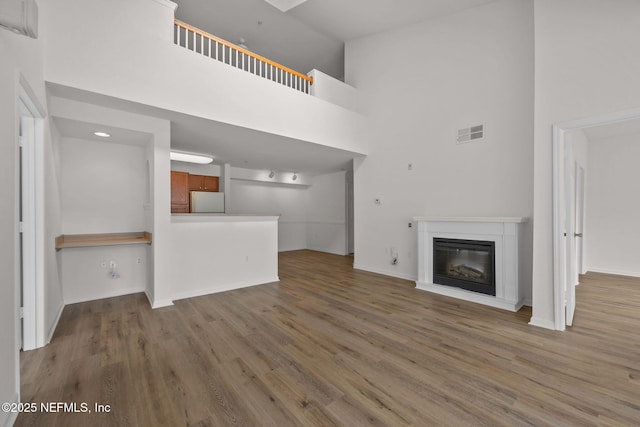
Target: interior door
{"x":579,"y":223}
{"x":570,"y":239}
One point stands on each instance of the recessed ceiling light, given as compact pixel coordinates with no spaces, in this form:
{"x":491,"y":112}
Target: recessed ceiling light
{"x":102,"y":134}
{"x":191,"y":158}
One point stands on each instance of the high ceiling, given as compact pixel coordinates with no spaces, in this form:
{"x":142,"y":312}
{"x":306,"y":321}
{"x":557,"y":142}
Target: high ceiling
{"x":312,"y":34}
{"x":309,"y":35}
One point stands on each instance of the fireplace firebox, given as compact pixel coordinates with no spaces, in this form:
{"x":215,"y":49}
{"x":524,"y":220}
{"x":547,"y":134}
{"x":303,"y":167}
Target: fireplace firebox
{"x":465,"y":264}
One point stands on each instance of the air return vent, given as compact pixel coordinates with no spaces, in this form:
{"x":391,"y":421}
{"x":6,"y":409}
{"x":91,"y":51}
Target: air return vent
{"x":473,"y":133}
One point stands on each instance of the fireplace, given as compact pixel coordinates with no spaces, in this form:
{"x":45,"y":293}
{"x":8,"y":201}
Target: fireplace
{"x":490,"y":266}
{"x":465,"y":264}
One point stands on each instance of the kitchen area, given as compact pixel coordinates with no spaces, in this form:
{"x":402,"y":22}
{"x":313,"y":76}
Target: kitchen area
{"x":214,"y":250}
{"x":192,"y":193}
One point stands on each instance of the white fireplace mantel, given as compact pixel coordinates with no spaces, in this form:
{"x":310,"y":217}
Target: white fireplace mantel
{"x":503,"y":231}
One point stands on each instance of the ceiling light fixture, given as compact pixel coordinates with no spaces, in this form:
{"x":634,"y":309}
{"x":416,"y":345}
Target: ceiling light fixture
{"x":191,"y":158}
{"x":101,"y":134}
{"x":285,"y":5}
{"x":272,"y":174}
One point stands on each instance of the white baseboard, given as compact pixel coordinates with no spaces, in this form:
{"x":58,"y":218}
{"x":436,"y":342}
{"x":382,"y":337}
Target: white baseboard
{"x":158,"y":304}
{"x":11,"y":417}
{"x":542,"y":323}
{"x":390,"y":273}
{"x":103,"y":295}
{"x":614,"y":272}
{"x":54,"y":325}
{"x":223,"y":288}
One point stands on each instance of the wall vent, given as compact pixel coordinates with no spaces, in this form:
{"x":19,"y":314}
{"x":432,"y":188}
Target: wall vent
{"x":473,"y":133}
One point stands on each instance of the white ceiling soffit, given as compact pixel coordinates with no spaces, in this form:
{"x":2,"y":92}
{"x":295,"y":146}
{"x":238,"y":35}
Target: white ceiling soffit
{"x":70,"y":128}
{"x":240,"y":147}
{"x":284,"y":5}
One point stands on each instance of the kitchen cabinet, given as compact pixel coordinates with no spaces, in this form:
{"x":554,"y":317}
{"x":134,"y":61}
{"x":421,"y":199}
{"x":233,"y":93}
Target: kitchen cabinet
{"x":203,"y":183}
{"x":179,"y":192}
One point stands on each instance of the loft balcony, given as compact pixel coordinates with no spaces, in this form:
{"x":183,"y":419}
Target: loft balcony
{"x":213,"y":47}
{"x":134,"y":55}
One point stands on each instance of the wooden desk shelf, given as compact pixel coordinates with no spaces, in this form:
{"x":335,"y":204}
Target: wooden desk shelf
{"x":103,"y":239}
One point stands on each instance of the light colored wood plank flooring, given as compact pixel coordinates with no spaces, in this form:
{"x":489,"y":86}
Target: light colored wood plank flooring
{"x":333,"y":346}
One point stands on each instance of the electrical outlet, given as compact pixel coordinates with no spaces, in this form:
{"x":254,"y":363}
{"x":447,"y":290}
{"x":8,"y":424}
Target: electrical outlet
{"x":410,"y":166}
{"x":138,"y":260}
{"x":378,"y":201}
{"x":410,"y":225}
{"x":112,"y":264}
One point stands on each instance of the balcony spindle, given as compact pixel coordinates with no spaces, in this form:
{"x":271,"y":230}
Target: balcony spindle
{"x":239,"y":57}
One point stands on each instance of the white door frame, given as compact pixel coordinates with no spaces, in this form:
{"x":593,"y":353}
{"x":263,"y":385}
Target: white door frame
{"x":559,"y":159}
{"x":31,"y":116}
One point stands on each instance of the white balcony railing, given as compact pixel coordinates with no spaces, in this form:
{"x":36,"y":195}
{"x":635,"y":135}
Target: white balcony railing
{"x":221,"y":50}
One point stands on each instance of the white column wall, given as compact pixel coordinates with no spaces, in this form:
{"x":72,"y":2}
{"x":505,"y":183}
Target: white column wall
{"x":21,"y":58}
{"x":326,"y":214}
{"x":584,"y":68}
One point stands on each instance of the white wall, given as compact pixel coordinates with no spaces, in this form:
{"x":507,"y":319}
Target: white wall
{"x":326,"y":212}
{"x":464,"y":69}
{"x":216,"y":254}
{"x":612,"y":206}
{"x":333,"y":90}
{"x":312,"y":215}
{"x":103,"y":190}
{"x":289,"y":201}
{"x":20,"y":56}
{"x":84,"y":278}
{"x":103,"y":187}
{"x":585,"y":67}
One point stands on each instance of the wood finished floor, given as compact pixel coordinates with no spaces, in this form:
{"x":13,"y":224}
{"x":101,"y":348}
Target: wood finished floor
{"x":330,"y":345}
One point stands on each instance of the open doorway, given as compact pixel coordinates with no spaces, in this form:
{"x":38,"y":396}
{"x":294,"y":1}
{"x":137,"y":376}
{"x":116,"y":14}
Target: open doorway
{"x":571,"y":178}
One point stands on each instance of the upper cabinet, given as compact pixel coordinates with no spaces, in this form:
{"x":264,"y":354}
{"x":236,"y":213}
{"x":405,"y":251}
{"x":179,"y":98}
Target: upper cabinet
{"x":183,"y":183}
{"x":203,"y":183}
